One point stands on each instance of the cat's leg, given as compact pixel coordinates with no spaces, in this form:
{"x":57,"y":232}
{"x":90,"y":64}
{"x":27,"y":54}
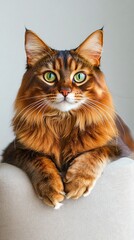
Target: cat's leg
{"x":42,"y":172}
{"x":45,"y":179}
{"x":47,"y":182}
{"x":85,"y":169}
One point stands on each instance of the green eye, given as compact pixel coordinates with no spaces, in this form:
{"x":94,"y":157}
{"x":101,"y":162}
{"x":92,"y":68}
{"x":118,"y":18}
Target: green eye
{"x":79,"y":77}
{"x":49,"y":77}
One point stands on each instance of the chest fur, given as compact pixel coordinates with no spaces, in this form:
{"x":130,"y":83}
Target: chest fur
{"x":64,"y":142}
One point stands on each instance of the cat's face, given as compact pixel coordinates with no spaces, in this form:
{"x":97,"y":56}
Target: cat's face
{"x":62,"y":80}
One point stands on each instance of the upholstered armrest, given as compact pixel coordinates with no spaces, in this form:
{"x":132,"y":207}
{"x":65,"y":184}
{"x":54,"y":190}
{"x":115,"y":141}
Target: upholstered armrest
{"x":106,"y":214}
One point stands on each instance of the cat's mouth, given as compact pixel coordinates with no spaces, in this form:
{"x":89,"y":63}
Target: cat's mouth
{"x":66,"y":99}
{"x":67,"y":103}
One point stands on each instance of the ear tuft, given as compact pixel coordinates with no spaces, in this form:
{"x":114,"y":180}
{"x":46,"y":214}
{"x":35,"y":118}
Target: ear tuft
{"x":35,"y":47}
{"x":91,"y":48}
{"x":26,"y":29}
{"x":102,"y":28}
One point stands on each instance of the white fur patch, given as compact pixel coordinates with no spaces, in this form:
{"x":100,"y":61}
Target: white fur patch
{"x":65,"y":105}
{"x":58,"y":205}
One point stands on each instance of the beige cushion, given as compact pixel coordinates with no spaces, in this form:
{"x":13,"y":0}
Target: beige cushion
{"x":106,"y":214}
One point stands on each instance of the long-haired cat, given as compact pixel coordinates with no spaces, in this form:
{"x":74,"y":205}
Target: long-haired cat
{"x":65,"y":123}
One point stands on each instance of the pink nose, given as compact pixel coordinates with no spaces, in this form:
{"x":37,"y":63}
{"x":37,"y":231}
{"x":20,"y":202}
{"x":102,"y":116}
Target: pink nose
{"x":65,"y":91}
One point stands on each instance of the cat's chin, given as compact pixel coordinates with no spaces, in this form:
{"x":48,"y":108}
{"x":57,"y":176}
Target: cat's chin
{"x":65,"y":106}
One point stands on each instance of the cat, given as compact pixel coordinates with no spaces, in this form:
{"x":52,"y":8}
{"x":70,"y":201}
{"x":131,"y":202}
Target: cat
{"x":65,"y":123}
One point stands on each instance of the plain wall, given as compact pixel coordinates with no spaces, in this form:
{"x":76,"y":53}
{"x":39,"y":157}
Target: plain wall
{"x":64,"y":25}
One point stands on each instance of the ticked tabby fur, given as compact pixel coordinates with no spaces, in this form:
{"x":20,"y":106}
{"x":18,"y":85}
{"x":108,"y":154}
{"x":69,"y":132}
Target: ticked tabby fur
{"x":65,"y":123}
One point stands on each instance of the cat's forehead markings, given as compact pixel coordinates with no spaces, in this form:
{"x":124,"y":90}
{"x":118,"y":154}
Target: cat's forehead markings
{"x":57,"y":64}
{"x":65,"y":60}
{"x":62,"y":57}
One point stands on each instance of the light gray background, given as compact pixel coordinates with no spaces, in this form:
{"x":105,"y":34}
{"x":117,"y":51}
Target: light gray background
{"x":64,"y":25}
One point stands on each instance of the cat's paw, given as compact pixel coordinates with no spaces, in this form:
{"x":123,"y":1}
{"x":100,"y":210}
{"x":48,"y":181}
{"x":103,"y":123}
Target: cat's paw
{"x":78,"y":182}
{"x":50,"y":189}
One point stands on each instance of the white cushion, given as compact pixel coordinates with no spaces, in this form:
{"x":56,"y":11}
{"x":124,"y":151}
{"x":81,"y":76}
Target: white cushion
{"x":106,"y":214}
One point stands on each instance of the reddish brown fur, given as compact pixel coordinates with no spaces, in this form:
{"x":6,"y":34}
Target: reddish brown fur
{"x":74,"y":145}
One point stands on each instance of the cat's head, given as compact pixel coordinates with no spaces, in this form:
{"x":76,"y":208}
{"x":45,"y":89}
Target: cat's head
{"x":62,"y":81}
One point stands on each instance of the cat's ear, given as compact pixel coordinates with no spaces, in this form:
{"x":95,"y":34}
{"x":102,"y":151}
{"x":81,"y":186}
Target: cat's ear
{"x":91,"y":48}
{"x":35,"y":48}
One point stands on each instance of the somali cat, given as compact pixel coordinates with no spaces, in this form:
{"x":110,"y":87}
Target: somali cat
{"x":65,"y":123}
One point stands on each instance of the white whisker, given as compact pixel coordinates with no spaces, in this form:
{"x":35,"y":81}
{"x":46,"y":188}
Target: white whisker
{"x":101,"y":112}
{"x":35,"y":106}
{"x":110,"y":108}
{"x":28,"y":106}
{"x":45,"y":96}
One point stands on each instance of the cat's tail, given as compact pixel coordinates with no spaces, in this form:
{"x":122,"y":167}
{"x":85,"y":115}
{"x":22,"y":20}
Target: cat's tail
{"x":125,"y":133}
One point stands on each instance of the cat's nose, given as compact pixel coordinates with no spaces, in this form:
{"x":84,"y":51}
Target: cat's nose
{"x":65,"y":91}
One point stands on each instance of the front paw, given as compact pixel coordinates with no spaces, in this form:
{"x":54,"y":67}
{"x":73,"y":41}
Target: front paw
{"x":78,"y":182}
{"x":50,"y":189}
